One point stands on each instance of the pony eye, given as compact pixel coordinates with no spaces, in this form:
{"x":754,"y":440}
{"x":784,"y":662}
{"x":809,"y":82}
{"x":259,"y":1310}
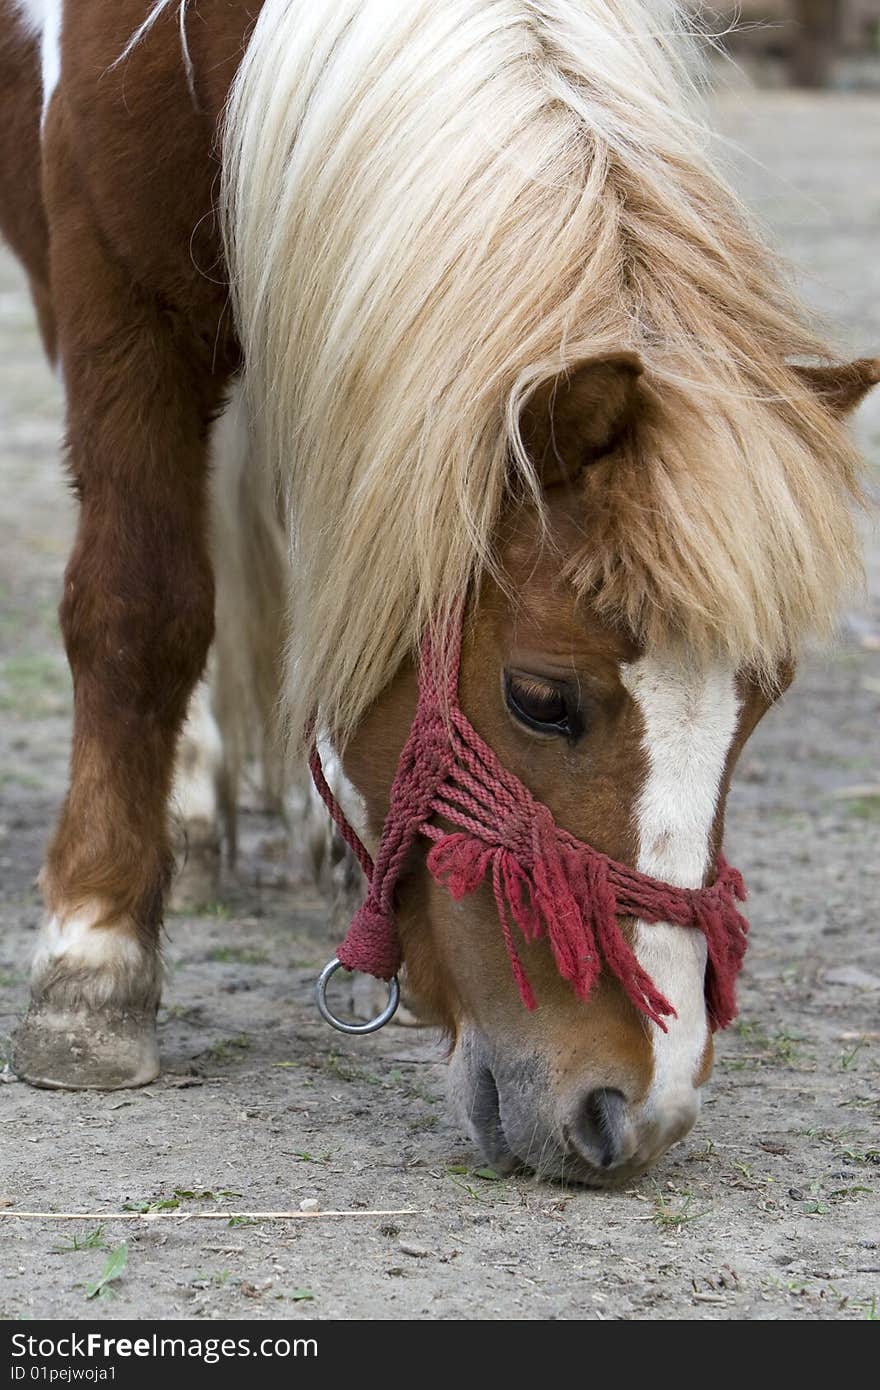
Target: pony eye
{"x":538,"y":704}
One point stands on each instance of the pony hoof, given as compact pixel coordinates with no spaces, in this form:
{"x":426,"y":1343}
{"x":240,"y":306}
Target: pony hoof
{"x":197,"y":879}
{"x":106,"y":1049}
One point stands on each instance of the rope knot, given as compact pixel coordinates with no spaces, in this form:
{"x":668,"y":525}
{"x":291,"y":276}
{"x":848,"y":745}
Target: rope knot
{"x":434,"y":741}
{"x":371,"y":943}
{"x":513,"y":831}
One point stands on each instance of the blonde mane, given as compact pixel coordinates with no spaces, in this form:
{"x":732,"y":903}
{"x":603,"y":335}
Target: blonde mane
{"x":433,"y":208}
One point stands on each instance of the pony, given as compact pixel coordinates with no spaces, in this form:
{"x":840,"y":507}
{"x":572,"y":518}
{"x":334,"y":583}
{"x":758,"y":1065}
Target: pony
{"x":509,"y":355}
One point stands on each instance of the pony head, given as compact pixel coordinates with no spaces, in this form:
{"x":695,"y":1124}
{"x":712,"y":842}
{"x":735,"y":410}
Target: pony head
{"x":631,"y":745}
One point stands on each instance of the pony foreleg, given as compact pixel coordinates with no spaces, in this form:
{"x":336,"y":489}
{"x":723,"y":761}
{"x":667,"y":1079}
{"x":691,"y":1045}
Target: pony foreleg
{"x":137,"y":617}
{"x":136,"y":645}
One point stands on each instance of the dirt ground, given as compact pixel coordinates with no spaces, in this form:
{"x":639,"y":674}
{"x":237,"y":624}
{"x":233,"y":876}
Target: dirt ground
{"x":769,"y":1210}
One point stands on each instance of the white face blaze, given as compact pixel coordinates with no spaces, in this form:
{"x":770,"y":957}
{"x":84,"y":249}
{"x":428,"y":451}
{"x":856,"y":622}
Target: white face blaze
{"x":689,"y":716}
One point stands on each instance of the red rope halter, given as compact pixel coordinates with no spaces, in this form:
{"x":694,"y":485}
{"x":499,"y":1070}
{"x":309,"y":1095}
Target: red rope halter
{"x":543,"y":879}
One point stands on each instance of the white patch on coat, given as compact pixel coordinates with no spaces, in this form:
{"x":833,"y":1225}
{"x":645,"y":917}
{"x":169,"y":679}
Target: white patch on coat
{"x":32,"y":13}
{"x":43,"y":17}
{"x":690,"y":717}
{"x":199,"y":762}
{"x":114,"y":960}
{"x":51,"y":51}
{"x":318,"y":831}
{"x":343,"y":789}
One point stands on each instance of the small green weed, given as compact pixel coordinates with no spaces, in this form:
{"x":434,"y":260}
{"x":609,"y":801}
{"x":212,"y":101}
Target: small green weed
{"x":113,"y":1269}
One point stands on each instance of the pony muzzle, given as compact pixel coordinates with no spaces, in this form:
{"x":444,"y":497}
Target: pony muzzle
{"x":575,"y":1129}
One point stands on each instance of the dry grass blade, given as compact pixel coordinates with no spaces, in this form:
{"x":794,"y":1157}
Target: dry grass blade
{"x":198,"y":1215}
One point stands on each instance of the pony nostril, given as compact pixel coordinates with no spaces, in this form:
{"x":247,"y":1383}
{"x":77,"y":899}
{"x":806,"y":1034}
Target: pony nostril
{"x":599,"y":1129}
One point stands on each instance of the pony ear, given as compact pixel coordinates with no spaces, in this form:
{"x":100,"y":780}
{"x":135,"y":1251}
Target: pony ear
{"x":574,"y":419}
{"x":842,"y":388}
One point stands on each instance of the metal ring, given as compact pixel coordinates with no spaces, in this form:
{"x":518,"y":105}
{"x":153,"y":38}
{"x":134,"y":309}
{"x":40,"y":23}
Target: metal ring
{"x":373,"y":1024}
